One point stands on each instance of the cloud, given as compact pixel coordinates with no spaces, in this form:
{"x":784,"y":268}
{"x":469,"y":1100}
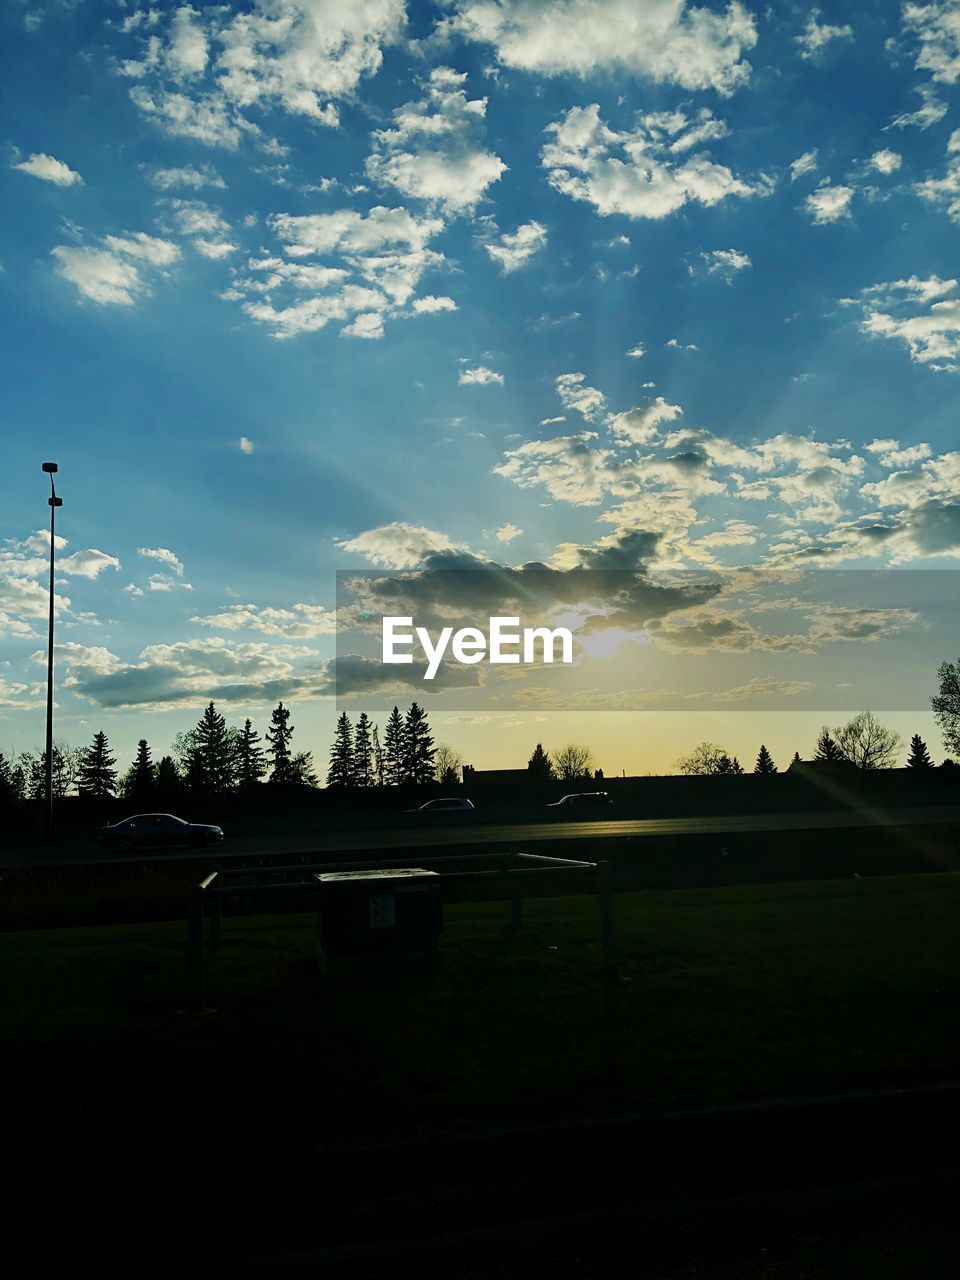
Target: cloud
{"x":817,"y":35}
{"x":109,"y":275}
{"x":643,"y":173}
{"x":943,"y":192}
{"x":432,"y":153}
{"x":188,"y":176}
{"x":675,"y":43}
{"x":397,"y":546}
{"x":576,"y":394}
{"x":431,"y":304}
{"x":246,"y":445}
{"x":201,"y":76}
{"x":726,"y":262}
{"x":637,"y":352}
{"x":298,"y":622}
{"x":49,"y":169}
{"x":639,"y":426}
{"x":507,"y":532}
{"x":513,"y":251}
{"x":886,"y":161}
{"x":371,"y":264}
{"x":368,"y":325}
{"x":481,"y":376}
{"x":829,"y":204}
{"x":87,"y":564}
{"x":922,"y":314}
{"x":929,"y":113}
{"x":167,"y":558}
{"x":806,"y":163}
{"x":934,"y":25}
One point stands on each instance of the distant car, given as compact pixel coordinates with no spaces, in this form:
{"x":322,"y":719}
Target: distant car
{"x":156,"y":831}
{"x":453,"y":805}
{"x":583,"y":800}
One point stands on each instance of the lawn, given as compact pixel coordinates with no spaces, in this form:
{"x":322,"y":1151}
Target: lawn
{"x":723,"y":995}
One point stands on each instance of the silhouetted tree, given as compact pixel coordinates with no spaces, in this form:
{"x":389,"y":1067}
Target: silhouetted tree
{"x":706,"y":758}
{"x":946,"y":705}
{"x":539,"y":766}
{"x":140,"y":781}
{"x":393,"y":749}
{"x":572,"y":763}
{"x":919,"y":757}
{"x":251,"y":765}
{"x":301,"y":769}
{"x":18,"y":782}
{"x":827,"y":751}
{"x":379,"y":770}
{"x":866,"y":743}
{"x":764,"y":763}
{"x":211,"y":761}
{"x":6,"y":781}
{"x":340,"y":773}
{"x":418,"y":749}
{"x":169,"y":782}
{"x":729,"y":765}
{"x":278,"y":737}
{"x":448,"y":764}
{"x":362,"y":752}
{"x":796,"y":759}
{"x":96,"y":775}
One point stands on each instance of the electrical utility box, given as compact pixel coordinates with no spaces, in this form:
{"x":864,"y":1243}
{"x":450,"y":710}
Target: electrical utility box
{"x":386,"y":914}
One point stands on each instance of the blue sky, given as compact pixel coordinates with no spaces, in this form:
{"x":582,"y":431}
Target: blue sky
{"x":292,"y":287}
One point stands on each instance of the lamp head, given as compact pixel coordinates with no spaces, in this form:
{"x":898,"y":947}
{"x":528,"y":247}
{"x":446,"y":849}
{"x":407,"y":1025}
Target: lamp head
{"x":55,"y":502}
{"x":50,"y":467}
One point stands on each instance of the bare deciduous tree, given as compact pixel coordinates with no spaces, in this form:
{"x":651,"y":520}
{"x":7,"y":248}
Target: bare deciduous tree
{"x":866,"y":743}
{"x":448,"y":763}
{"x":572,"y":762}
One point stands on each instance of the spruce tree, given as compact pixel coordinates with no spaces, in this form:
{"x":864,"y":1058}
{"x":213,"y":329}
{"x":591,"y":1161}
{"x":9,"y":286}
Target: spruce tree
{"x":140,"y":783}
{"x":6,"y":781}
{"x":96,"y":775}
{"x":18,"y":781}
{"x":211,"y":765}
{"x":393,"y":749}
{"x":278,"y":736}
{"x":827,"y":751}
{"x":539,"y":766}
{"x":919,"y":757}
{"x":341,"y":771}
{"x":301,"y":769}
{"x":251,"y":765}
{"x":378,"y":761}
{"x":418,"y":750}
{"x":362,"y":752}
{"x":764,"y":763}
{"x":169,"y":781}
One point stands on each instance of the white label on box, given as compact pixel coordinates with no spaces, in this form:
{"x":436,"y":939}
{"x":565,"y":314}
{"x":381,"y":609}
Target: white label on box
{"x":383,"y":912}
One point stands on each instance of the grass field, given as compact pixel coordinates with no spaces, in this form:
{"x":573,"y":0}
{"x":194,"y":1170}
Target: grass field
{"x":724,"y":995}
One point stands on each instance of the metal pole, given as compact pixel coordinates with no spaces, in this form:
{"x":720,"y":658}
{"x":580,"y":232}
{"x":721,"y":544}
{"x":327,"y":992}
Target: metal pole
{"x":195,"y":905}
{"x":605,"y":892}
{"x":50,"y":468}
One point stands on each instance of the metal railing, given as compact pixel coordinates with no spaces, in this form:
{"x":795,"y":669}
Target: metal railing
{"x":205,"y":901}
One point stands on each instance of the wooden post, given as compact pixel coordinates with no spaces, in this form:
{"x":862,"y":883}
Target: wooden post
{"x":605,"y":896}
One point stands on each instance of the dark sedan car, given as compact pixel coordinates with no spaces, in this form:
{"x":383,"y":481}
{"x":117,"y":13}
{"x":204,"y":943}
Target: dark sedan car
{"x":156,"y":831}
{"x":582,"y":800}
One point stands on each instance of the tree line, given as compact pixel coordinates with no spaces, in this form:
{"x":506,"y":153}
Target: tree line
{"x":213,"y":758}
{"x":863,"y":742}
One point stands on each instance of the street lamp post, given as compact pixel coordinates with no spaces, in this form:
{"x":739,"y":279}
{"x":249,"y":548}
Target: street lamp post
{"x":51,"y":469}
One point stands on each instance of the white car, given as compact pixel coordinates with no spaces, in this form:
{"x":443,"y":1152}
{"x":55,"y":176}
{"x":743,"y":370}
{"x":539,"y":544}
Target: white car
{"x":453,"y":805}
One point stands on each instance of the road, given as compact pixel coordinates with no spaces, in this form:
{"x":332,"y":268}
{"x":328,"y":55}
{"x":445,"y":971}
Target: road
{"x":469,"y":833}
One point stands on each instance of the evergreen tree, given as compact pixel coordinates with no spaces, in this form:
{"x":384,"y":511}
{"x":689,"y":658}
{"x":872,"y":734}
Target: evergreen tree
{"x":96,"y":775}
{"x":251,"y":765}
{"x":919,"y":757}
{"x":140,"y":784}
{"x":379,"y":768}
{"x":393,"y":749}
{"x":764,"y":763}
{"x":418,"y":750}
{"x":278,"y":736}
{"x":169,"y":782}
{"x":827,"y":750}
{"x":728,"y":765}
{"x":341,"y":772}
{"x":362,"y":752}
{"x":6,"y":781}
{"x":539,"y":766}
{"x":796,"y":759}
{"x":211,"y":757}
{"x":18,"y":782}
{"x":301,"y":769}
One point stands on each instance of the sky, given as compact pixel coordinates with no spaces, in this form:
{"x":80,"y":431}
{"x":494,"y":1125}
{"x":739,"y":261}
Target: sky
{"x":294,"y":287}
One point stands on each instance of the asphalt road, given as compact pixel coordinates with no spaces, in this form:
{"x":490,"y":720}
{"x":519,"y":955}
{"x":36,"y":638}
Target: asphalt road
{"x":447,"y":832}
